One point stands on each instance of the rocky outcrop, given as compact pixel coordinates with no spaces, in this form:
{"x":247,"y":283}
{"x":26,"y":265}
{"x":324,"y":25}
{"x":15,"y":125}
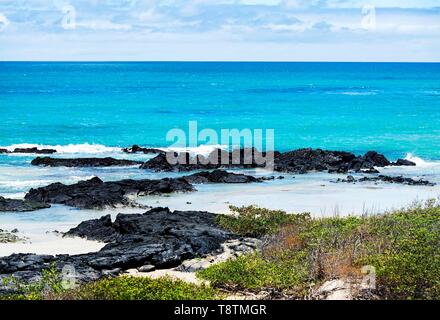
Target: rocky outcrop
{"x":96,"y":194}
{"x":240,"y":158}
{"x":4,"y":151}
{"x":344,"y":289}
{"x":10,"y":236}
{"x":305,"y":160}
{"x":101,"y":229}
{"x":82,"y":162}
{"x":403,"y":162}
{"x":297,"y":161}
{"x":231,"y":249}
{"x":158,"y":239}
{"x":136,"y":149}
{"x":220,"y":176}
{"x":389,"y":179}
{"x":15,"y":205}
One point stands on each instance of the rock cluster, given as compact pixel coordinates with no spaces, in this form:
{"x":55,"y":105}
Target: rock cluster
{"x":34,"y":150}
{"x":297,"y":161}
{"x":136,"y":149}
{"x":220,"y":176}
{"x":184,"y":161}
{"x":96,"y":194}
{"x":15,"y":205}
{"x":10,"y":236}
{"x":82,"y":162}
{"x":389,"y":179}
{"x":156,"y":239}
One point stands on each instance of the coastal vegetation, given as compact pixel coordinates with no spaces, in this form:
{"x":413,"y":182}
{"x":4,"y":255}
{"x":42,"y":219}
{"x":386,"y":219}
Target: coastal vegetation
{"x":51,"y":286}
{"x":400,"y":249}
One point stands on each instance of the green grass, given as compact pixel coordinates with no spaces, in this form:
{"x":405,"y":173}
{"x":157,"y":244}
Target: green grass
{"x":51,"y":287}
{"x":254,"y":272}
{"x":141,"y":288}
{"x":253,"y":221}
{"x":403,"y":246}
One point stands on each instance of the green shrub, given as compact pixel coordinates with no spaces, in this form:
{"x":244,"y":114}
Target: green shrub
{"x":141,"y":288}
{"x":255,"y":272}
{"x":252,"y":221}
{"x":51,"y":287}
{"x":406,"y":252}
{"x":50,"y":283}
{"x":403,"y":246}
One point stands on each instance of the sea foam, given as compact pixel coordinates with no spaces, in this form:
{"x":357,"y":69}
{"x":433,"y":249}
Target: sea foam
{"x":84,"y":148}
{"x":420,"y":162}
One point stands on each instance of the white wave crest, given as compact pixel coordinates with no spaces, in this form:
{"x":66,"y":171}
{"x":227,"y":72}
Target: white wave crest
{"x":419,"y":161}
{"x":358,"y":93}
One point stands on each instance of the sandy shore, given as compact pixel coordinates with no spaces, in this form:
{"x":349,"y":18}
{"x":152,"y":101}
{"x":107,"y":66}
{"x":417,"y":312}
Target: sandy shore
{"x":321,"y":198}
{"x":316,"y":193}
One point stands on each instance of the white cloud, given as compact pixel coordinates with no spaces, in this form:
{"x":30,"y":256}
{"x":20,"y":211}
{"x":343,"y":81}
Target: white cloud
{"x":102,"y":25}
{"x":4,"y":22}
{"x":327,"y":24}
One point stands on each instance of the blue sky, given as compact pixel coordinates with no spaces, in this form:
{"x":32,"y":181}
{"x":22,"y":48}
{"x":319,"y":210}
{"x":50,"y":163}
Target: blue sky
{"x":250,"y":30}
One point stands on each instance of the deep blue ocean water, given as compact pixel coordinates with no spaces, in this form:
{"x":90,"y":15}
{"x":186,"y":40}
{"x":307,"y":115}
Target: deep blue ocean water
{"x":393,"y":108}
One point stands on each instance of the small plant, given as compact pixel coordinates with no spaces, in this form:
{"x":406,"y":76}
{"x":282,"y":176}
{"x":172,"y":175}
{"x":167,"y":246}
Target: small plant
{"x":254,"y":272}
{"x":50,"y":283}
{"x":141,"y":288}
{"x":253,"y":221}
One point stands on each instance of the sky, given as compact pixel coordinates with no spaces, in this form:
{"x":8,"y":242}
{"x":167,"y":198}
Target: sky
{"x":220,"y":30}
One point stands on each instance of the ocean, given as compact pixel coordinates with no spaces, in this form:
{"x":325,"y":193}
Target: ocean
{"x":393,"y":108}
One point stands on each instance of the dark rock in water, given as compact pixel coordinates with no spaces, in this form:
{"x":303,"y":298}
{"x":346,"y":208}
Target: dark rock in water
{"x":158,"y":164}
{"x":136,"y":149}
{"x":101,"y":229}
{"x":403,"y":162}
{"x":14,"y":205}
{"x":82,"y":162}
{"x":4,"y":151}
{"x":184,"y":161}
{"x":96,"y":194}
{"x":34,"y":150}
{"x":399,"y":179}
{"x":297,"y":161}
{"x":376,"y":159}
{"x":304,"y":160}
{"x":389,"y":179}
{"x":158,"y":238}
{"x":220,"y":176}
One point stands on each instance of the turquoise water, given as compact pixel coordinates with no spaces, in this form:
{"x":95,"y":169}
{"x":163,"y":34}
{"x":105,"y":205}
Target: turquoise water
{"x":93,"y":109}
{"x":390,"y":107}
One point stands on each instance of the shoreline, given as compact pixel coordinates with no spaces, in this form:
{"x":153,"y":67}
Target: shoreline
{"x":317,"y":193}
